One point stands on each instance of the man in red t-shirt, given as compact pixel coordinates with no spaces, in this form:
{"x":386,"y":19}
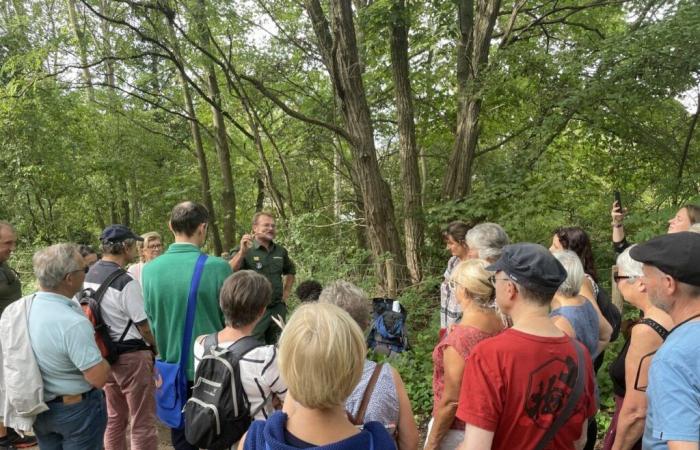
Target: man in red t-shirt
{"x":516,"y":384}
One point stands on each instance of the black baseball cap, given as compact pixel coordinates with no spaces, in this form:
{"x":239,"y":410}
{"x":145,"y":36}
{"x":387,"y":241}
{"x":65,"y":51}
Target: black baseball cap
{"x":675,"y":254}
{"x":532,"y":266}
{"x":118,"y":233}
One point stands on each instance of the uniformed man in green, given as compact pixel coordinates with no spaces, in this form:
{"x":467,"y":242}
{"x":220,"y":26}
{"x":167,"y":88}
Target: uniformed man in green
{"x":10,"y":290}
{"x":260,"y":253}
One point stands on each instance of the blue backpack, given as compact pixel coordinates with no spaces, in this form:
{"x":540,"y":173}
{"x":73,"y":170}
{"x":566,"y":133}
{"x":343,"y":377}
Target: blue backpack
{"x":388,"y":333}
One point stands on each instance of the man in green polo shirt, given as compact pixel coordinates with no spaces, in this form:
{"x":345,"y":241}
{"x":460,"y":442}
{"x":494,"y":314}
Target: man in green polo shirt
{"x":166,"y":284}
{"x":260,"y":253}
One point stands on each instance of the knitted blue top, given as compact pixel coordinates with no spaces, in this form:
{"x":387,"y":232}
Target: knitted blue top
{"x":269,"y":435}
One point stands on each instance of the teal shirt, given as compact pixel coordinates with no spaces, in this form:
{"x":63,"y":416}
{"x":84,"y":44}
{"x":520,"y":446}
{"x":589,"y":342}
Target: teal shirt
{"x":166,"y":284}
{"x":63,"y":341}
{"x":272,"y":263}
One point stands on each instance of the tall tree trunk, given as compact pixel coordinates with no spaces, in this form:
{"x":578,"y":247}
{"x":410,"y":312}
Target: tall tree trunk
{"x":197,"y":140}
{"x":472,"y":57}
{"x":228,"y":194}
{"x":410,"y":177}
{"x":107,"y":45}
{"x":82,"y":47}
{"x":346,"y":75}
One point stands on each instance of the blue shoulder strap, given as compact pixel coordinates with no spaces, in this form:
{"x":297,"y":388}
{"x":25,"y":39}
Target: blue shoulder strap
{"x":191,"y":308}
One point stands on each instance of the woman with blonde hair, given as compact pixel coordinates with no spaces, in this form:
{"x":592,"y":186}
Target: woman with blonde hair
{"x":149,"y":249}
{"x":475,"y":293}
{"x":321,"y":357}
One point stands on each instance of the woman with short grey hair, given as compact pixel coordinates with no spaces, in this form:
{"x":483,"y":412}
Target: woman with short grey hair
{"x":389,"y":403}
{"x":571,"y":312}
{"x":486,"y":241}
{"x":644,"y":338}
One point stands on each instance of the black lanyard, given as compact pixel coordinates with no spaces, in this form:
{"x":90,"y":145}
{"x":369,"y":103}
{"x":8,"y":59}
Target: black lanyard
{"x":684,"y":322}
{"x":637,"y":387}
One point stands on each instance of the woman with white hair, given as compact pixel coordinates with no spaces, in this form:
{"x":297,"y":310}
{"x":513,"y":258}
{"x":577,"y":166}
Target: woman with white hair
{"x":486,"y":241}
{"x":321,"y":357}
{"x":571,"y":312}
{"x":388,"y":403}
{"x":630,"y":369}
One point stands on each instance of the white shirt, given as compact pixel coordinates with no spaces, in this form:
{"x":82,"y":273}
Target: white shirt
{"x":260,"y":375}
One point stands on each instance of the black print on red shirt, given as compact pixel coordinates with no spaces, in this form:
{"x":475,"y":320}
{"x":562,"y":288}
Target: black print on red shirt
{"x":548,"y":389}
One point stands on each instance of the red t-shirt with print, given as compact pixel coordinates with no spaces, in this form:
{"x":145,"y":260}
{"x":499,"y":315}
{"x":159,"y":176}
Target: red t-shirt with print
{"x":516,"y":383}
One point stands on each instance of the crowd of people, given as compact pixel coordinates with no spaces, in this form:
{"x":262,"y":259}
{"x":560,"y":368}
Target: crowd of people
{"x":522,"y":332}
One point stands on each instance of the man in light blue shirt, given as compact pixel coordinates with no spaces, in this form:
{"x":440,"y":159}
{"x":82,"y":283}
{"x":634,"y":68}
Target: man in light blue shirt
{"x":672,"y":279}
{"x":71,"y":366}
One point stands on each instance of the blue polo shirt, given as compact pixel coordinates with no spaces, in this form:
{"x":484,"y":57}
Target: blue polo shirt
{"x":63,"y":341}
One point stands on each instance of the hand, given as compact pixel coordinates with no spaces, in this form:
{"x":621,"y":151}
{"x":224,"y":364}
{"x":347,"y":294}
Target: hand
{"x":617,"y":214}
{"x":247,"y":242}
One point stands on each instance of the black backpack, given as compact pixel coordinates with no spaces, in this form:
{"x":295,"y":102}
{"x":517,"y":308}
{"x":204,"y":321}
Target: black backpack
{"x":388,"y":333}
{"x":218,"y":413}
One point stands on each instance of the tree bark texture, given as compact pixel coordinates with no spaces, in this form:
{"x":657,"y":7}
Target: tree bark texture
{"x":472,"y":57}
{"x":376,"y":195}
{"x":408,"y":153}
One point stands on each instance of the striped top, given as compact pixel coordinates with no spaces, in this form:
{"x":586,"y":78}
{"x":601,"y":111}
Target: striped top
{"x":260,"y":375}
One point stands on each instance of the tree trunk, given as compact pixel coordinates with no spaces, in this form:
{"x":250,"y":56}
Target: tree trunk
{"x":410,"y":177}
{"x":228,"y":194}
{"x":197,"y":140}
{"x":82,"y":48}
{"x":472,"y":57}
{"x":346,"y":75}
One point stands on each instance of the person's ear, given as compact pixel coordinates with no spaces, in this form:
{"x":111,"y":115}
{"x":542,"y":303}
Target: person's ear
{"x":170,"y":227}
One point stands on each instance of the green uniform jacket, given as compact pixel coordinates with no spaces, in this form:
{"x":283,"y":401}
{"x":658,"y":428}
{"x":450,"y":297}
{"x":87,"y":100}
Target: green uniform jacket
{"x":10,"y":286}
{"x":273,"y":264}
{"x":166,"y":285}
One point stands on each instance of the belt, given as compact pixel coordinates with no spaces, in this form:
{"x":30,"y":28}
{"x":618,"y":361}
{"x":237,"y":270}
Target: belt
{"x":70,"y":399}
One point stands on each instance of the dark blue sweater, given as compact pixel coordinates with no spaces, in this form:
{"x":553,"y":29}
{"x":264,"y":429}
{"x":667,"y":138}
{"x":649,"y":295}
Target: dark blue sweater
{"x":271,"y":432}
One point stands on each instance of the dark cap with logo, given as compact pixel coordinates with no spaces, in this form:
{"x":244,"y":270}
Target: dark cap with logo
{"x":675,"y":254}
{"x":532,"y":266}
{"x":118,"y":233}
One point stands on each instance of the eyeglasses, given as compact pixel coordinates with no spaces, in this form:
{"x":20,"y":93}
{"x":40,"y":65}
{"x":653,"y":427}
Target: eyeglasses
{"x":493,"y":279}
{"x":154,"y":246}
{"x":617,"y":277}
{"x":85,"y":269}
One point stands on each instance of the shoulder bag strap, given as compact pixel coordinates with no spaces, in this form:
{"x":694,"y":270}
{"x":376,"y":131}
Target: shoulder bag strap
{"x":571,"y":404}
{"x":191,"y":307}
{"x":360,"y":416}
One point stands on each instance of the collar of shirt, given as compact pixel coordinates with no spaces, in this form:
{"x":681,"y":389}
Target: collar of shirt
{"x":183,"y":247}
{"x":53,"y":297}
{"x":257,"y":245}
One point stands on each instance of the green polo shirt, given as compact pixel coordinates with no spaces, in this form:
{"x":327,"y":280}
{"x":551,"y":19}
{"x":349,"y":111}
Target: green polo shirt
{"x":272,"y":263}
{"x":10,"y":286}
{"x":166,"y":285}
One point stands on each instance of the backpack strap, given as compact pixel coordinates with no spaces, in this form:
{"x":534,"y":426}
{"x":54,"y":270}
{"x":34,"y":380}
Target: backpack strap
{"x":359,"y":418}
{"x":210,"y":341}
{"x":242,"y":346}
{"x":568,"y":409}
{"x":107,"y":283}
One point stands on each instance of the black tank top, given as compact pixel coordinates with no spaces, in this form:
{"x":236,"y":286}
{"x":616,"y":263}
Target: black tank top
{"x":617,"y":367}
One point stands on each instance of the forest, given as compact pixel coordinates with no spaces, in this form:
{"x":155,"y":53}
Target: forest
{"x":364,"y":125}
